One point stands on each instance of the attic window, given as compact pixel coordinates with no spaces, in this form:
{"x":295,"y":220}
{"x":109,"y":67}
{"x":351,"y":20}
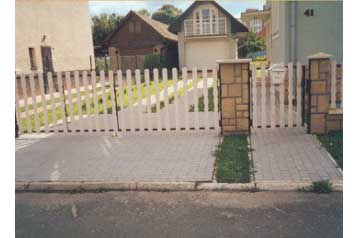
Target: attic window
{"x":137,"y":27}
{"x":131,"y":27}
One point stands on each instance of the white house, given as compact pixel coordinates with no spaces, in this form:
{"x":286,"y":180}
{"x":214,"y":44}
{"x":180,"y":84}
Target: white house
{"x":206,"y":33}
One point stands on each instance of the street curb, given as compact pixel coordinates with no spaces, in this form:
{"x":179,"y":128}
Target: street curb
{"x":164,"y":186}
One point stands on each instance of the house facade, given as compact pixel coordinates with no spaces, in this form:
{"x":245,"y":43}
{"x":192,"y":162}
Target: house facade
{"x":53,"y":35}
{"x":137,"y":36}
{"x":206,"y":33}
{"x":254,"y":19}
{"x":298,"y":29}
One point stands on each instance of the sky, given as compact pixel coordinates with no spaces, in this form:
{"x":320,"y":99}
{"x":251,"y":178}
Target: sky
{"x":235,"y":7}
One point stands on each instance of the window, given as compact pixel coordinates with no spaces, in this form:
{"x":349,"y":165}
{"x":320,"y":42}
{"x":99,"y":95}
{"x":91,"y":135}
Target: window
{"x":255,"y":25}
{"x":131,"y":26}
{"x":137,"y":27}
{"x":32,"y":58}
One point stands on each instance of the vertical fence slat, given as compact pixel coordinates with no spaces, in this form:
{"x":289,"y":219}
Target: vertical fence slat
{"x":139,"y":99}
{"x":95,"y":99}
{"x":282,"y":103}
{"x":34,"y":103}
{"x":148,"y":100}
{"x":52,"y":98}
{"x":69,"y":93}
{"x":206,"y":100}
{"x":121,"y":102}
{"x":195,"y":94}
{"x":290,"y":97}
{"x":185,"y":95}
{"x":175,"y":86}
{"x":25,"y":98}
{"x":113,"y":103}
{"x":43,"y":101}
{"x":333,"y":84}
{"x":17,"y":108}
{"x":104,"y":101}
{"x":157,"y":99}
{"x":263,"y":96}
{"x":272,"y":106}
{"x":88,"y":105}
{"x":166,"y":101}
{"x":79,"y":101}
{"x":216,"y":100}
{"x":254,"y":97}
{"x":299,"y":95}
{"x":130,"y":99}
{"x":63,"y":103}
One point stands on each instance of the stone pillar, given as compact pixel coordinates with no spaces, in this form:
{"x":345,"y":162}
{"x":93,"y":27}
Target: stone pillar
{"x":318,"y":92}
{"x":234,"y":96}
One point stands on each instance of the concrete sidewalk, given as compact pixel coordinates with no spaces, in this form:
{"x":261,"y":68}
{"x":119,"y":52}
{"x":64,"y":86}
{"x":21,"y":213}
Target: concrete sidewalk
{"x":159,"y":157}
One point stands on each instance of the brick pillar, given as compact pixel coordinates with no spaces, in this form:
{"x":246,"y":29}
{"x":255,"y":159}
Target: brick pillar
{"x":318,"y":92}
{"x":234,"y":96}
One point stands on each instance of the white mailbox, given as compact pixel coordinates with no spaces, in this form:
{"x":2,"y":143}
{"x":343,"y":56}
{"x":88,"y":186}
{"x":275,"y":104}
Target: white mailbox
{"x":277,"y":73}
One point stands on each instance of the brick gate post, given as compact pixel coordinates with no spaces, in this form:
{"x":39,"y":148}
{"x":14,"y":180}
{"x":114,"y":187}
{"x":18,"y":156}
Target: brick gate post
{"x":318,"y":92}
{"x":234,"y":96}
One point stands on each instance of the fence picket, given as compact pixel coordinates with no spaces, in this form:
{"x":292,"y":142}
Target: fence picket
{"x":139,"y":99}
{"x":17,"y":108}
{"x":148,"y":100}
{"x":282,"y":104}
{"x":254,"y":97}
{"x":113,"y":102}
{"x":299,"y":95}
{"x":104,"y":101}
{"x":69,"y":92}
{"x":88,"y":105}
{"x":333,"y":84}
{"x":272,"y":106}
{"x":34,"y":103}
{"x":185,"y":95}
{"x":130,"y":99}
{"x":62,"y":100}
{"x":79,"y":101}
{"x":206,"y":100}
{"x":43,"y":101}
{"x":157,"y":99}
{"x":121,"y":102}
{"x":195,"y":98}
{"x":175,"y":86}
{"x":263,"y":96}
{"x":95,"y":99}
{"x":290,"y":97}
{"x":52,"y":98}
{"x":166,"y":101}
{"x":216,"y":103}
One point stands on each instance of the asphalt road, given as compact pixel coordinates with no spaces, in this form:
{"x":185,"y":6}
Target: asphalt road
{"x":179,"y":214}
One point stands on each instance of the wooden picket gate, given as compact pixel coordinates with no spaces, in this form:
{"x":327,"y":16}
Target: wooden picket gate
{"x":118,"y":102}
{"x":277,"y":105}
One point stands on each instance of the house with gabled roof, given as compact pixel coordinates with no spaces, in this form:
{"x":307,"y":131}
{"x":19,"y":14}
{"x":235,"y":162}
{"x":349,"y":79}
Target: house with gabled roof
{"x":137,"y":36}
{"x":206,"y":33}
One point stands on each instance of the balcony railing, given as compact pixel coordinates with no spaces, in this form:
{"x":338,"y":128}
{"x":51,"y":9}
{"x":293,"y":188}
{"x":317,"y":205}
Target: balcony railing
{"x":193,"y":28}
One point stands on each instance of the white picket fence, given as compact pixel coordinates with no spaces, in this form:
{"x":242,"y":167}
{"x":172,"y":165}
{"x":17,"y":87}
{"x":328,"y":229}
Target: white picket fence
{"x":117,"y":105}
{"x":273,"y":105}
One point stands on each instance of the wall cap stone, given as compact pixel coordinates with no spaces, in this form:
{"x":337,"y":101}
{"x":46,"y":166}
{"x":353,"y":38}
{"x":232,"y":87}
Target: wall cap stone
{"x":320,"y":55}
{"x":335,"y":111}
{"x":232,"y":61}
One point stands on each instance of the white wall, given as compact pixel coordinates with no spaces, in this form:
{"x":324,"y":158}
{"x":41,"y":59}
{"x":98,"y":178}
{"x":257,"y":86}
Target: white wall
{"x":65,"y":23}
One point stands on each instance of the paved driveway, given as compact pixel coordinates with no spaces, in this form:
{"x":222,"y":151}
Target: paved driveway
{"x":162,"y":157}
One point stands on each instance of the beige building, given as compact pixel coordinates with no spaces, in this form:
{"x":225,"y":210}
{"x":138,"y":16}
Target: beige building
{"x":206,"y":33}
{"x":254,"y":19}
{"x":53,"y":35}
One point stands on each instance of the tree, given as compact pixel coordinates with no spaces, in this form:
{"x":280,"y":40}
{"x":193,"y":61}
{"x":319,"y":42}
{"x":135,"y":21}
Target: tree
{"x":144,"y":12}
{"x":103,"y":25}
{"x":166,"y":14}
{"x":252,"y":44}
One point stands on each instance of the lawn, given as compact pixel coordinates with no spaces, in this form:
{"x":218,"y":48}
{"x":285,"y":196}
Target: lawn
{"x":333,"y":142}
{"x":232,"y":160}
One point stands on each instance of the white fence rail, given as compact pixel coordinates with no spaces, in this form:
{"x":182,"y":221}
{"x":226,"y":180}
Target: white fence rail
{"x":124,"y":102}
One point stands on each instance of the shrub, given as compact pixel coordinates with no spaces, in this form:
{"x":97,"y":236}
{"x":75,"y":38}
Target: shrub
{"x":152,"y":61}
{"x":323,"y":186}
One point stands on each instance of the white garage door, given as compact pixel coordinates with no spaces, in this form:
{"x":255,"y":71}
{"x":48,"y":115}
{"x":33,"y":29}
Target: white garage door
{"x":201,"y":53}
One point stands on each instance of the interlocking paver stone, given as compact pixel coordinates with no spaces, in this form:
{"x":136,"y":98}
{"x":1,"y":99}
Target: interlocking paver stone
{"x":290,"y":154}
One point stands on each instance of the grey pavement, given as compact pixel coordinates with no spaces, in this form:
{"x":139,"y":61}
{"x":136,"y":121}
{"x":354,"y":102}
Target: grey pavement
{"x":179,"y":214}
{"x":290,"y":154}
{"x":160,"y":157}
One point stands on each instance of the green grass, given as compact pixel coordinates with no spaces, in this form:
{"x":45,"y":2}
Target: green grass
{"x":333,"y":142}
{"x":201,"y":106}
{"x":91,"y":111}
{"x":232,"y":160}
